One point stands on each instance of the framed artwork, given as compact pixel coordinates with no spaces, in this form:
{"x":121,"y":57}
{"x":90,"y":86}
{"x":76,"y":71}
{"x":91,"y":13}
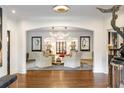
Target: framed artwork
{"x":84,"y":43}
{"x":37,"y":43}
{"x":0,"y":37}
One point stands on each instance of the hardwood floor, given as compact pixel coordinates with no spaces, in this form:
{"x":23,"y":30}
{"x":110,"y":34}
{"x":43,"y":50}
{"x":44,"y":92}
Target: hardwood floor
{"x":61,"y":79}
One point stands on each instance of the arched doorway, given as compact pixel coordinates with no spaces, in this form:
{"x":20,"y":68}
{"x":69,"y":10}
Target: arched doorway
{"x":60,"y":38}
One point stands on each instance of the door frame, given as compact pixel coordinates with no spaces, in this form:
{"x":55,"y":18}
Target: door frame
{"x":8,"y":52}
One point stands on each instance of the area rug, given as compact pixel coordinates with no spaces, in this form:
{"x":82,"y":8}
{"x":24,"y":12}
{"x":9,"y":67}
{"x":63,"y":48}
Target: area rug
{"x":61,"y":67}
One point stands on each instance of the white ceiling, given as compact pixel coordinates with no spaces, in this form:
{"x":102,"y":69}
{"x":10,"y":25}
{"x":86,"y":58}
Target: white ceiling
{"x":29,"y":11}
{"x":59,"y":28}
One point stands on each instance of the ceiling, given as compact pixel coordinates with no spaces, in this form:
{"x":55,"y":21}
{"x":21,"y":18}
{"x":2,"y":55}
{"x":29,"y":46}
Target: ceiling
{"x":59,"y":28}
{"x":29,"y":11}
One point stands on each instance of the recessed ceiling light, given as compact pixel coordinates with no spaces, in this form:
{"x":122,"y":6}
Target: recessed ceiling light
{"x":13,"y":11}
{"x":61,"y":8}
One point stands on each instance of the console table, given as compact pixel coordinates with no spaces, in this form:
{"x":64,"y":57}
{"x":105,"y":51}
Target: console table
{"x":30,"y":60}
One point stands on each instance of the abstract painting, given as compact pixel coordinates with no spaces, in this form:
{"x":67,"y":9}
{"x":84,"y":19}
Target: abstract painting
{"x":85,"y":43}
{"x":37,"y":43}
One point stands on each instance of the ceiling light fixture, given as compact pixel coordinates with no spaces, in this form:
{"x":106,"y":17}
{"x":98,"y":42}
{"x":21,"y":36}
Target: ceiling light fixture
{"x":61,"y":8}
{"x":13,"y":11}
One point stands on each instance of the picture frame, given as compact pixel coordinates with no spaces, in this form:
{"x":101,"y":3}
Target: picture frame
{"x":84,"y":43}
{"x":0,"y":37}
{"x":37,"y":43}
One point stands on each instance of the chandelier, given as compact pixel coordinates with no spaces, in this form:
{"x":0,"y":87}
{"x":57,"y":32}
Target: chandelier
{"x":59,"y":35}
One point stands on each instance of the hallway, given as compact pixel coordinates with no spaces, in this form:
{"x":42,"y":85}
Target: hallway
{"x":61,"y":79}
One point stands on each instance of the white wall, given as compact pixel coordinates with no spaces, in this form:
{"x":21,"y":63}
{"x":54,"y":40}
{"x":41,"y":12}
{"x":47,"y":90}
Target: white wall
{"x":95,"y":24}
{"x":12,"y":26}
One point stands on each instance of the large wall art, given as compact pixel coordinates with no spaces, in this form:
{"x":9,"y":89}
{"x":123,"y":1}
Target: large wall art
{"x":0,"y":36}
{"x":37,"y":43}
{"x":84,"y":43}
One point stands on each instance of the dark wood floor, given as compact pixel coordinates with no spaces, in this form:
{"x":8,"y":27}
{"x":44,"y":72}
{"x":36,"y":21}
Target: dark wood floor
{"x":60,"y":79}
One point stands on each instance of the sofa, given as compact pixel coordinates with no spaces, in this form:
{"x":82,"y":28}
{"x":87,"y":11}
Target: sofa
{"x":40,"y":60}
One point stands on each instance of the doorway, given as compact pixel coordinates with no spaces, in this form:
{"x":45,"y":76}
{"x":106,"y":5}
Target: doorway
{"x":8,"y":52}
{"x":66,"y":50}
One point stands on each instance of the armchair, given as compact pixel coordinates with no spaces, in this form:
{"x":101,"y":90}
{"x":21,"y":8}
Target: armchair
{"x":41,"y":60}
{"x":73,"y":60}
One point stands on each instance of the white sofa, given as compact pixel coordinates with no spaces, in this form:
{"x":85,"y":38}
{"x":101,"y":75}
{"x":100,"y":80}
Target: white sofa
{"x":41,"y":61}
{"x":72,"y":61}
